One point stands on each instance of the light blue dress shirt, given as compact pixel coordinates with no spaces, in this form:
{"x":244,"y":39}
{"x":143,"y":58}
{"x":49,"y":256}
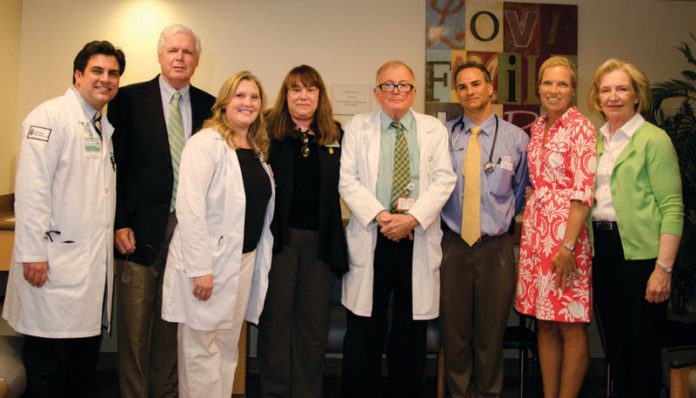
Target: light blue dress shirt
{"x":502,"y":190}
{"x":166,"y":92}
{"x":385,"y":172}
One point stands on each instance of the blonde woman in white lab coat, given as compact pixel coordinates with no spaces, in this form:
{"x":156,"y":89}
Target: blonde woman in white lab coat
{"x":217,"y":269}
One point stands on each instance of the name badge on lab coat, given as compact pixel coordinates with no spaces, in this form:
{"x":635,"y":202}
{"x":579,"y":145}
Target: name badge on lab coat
{"x":93,"y":146}
{"x":404,"y":203}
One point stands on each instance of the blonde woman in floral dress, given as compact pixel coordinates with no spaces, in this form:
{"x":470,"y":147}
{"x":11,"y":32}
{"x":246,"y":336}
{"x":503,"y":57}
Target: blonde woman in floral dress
{"x":555,"y":254}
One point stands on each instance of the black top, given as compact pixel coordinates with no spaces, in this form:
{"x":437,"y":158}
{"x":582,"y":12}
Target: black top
{"x":257,"y":187}
{"x":284,"y":159}
{"x":306,"y":181}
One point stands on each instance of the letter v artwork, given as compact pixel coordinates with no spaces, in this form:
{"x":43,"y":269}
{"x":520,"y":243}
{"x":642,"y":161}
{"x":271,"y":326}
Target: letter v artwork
{"x":511,"y":39}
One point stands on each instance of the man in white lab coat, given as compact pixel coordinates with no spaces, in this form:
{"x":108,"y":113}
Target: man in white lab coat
{"x":59,"y":288}
{"x":395,"y":177}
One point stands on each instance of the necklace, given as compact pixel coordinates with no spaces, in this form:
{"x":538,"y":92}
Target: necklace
{"x":304,"y":139}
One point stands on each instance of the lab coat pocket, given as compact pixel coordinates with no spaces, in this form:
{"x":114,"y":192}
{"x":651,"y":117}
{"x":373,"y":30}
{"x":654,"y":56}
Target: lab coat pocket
{"x":175,"y":256}
{"x":428,"y":170}
{"x":359,"y":243}
{"x":434,"y":247}
{"x":224,"y":249}
{"x":68,"y":263}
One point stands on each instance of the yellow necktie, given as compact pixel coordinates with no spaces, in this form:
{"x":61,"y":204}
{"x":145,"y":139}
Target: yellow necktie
{"x":471,"y":198}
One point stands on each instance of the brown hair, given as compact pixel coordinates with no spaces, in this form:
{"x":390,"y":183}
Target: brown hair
{"x":475,"y":65}
{"x":257,"y":134}
{"x":280,"y":123}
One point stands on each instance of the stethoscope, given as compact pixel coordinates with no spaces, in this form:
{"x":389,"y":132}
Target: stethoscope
{"x":489,"y":165}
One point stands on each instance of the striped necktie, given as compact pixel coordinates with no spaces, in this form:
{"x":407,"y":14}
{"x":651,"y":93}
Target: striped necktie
{"x":96,"y":121}
{"x":471,"y":201}
{"x":175,"y":130}
{"x":402,"y":167}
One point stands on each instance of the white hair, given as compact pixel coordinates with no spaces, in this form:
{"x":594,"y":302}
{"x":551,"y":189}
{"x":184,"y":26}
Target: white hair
{"x":171,"y":30}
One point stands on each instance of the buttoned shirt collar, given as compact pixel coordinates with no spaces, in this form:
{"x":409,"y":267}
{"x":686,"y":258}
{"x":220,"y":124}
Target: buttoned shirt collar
{"x":408,"y":121}
{"x":167,"y":91}
{"x":627,"y":129}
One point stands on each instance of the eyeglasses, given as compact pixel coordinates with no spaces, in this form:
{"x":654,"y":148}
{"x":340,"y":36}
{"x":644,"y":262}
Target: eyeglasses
{"x":402,"y":87}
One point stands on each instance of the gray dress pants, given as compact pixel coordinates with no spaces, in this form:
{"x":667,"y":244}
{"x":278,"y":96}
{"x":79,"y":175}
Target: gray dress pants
{"x":294,"y":325}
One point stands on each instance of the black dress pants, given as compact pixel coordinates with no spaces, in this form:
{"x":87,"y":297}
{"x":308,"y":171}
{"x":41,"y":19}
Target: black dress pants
{"x":61,"y":367}
{"x":631,"y":325}
{"x":365,"y":336}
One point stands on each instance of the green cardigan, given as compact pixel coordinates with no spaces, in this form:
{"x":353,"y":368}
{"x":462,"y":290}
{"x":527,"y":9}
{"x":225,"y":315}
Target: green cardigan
{"x":646,"y":191}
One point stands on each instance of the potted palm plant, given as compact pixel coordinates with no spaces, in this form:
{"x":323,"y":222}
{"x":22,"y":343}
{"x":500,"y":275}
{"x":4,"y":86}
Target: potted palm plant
{"x":673,"y":110}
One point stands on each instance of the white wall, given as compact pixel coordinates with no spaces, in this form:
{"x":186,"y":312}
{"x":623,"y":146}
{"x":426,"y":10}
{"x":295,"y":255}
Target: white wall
{"x":268,"y":37}
{"x":10,"y":20}
{"x":345,"y":40}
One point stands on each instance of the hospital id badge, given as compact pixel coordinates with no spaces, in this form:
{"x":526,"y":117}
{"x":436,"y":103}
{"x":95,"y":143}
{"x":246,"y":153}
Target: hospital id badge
{"x":404,"y":203}
{"x":93,"y":146}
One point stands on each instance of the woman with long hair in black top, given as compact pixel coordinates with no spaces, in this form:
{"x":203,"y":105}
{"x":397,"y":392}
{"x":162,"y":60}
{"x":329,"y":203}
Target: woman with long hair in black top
{"x":309,"y":238}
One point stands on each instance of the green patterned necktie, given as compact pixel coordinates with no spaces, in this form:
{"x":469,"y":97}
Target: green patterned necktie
{"x":402,"y":167}
{"x":175,"y":130}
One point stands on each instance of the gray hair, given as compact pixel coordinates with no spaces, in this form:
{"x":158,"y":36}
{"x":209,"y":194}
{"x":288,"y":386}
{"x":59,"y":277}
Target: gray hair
{"x":171,"y":30}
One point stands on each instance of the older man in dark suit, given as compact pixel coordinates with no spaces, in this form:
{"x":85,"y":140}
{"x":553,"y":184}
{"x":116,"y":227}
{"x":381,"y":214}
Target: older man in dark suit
{"x":152,"y":121}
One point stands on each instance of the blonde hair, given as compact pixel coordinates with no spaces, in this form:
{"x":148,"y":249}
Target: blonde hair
{"x":639,"y":81}
{"x":257,"y":134}
{"x":393,"y":64}
{"x":560,"y":61}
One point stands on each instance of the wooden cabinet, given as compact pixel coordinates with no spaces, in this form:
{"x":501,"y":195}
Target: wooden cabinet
{"x":6,"y":242}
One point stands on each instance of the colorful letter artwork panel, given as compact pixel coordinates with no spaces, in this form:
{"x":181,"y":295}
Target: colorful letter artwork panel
{"x":511,"y":39}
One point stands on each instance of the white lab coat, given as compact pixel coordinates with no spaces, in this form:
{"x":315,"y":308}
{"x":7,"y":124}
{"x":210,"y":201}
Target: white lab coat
{"x":210,"y":208}
{"x":62,"y":186}
{"x":357,"y":186}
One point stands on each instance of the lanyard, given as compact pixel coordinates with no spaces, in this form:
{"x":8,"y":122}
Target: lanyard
{"x":489,"y":166}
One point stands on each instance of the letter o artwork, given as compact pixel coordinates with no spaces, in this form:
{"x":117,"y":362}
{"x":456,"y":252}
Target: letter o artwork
{"x":496,"y":26}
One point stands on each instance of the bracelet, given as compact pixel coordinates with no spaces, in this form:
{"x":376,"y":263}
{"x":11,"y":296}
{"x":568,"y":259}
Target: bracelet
{"x":568,"y":246}
{"x":664,"y":266}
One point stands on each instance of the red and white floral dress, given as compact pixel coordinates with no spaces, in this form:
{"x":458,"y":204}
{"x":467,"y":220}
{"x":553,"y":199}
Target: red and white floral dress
{"x":560,"y":171}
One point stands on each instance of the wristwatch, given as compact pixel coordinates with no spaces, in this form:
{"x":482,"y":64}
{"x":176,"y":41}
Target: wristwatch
{"x":569,"y":246}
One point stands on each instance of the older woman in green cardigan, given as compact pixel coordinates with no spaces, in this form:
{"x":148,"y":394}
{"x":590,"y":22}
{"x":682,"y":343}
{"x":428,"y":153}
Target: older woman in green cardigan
{"x":637,"y":221}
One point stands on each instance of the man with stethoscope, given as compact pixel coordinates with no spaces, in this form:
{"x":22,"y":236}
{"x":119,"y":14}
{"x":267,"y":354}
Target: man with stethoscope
{"x":59,"y":287}
{"x":478,"y":264}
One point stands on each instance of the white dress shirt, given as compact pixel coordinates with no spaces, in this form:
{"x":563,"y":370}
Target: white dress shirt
{"x":604,"y":206}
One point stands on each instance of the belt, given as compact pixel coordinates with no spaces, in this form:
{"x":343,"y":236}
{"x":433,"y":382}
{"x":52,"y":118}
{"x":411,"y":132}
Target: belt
{"x":446,"y":228}
{"x":605,"y":225}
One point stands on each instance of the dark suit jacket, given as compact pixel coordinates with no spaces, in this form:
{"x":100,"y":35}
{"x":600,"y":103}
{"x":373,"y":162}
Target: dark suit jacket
{"x":332,"y":240}
{"x":144,"y":166}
